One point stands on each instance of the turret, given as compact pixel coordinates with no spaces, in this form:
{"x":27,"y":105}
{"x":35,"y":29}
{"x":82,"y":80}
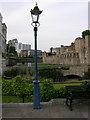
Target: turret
{"x":87,"y":46}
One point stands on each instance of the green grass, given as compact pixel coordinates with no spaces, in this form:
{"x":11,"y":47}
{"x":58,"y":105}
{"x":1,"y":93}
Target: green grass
{"x":57,"y":86}
{"x":78,"y":80}
{"x":41,"y":64}
{"x":33,"y":64}
{"x":85,"y":80}
{"x":11,"y":99}
{"x":15,"y":99}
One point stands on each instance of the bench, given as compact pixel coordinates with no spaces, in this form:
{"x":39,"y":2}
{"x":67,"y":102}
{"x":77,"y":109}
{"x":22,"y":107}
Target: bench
{"x":73,"y":89}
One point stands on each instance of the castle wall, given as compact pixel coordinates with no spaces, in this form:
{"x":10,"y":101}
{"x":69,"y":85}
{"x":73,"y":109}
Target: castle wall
{"x":63,"y":59}
{"x":76,"y":54}
{"x":87,"y":46}
{"x":76,"y":70}
{"x":58,"y":51}
{"x":80,"y":48}
{"x":49,"y":59}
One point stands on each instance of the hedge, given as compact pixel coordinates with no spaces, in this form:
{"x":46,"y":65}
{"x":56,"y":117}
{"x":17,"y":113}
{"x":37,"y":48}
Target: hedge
{"x":53,"y":73}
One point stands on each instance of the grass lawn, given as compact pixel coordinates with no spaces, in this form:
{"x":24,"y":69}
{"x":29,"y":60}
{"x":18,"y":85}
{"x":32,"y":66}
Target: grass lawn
{"x":57,"y":86}
{"x":13,"y":99}
{"x":78,"y":81}
{"x":41,"y":64}
{"x":33,"y":64}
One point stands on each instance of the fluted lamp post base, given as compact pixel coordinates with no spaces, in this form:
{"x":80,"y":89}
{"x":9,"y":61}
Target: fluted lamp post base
{"x":36,"y":95}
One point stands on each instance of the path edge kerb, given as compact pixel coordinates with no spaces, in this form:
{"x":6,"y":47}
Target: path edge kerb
{"x":60,"y":101}
{"x":51,"y":102}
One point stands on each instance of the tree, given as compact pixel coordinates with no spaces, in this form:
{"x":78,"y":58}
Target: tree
{"x":47,"y":91}
{"x":84,"y":33}
{"x":11,"y":51}
{"x":22,"y":88}
{"x":7,"y":48}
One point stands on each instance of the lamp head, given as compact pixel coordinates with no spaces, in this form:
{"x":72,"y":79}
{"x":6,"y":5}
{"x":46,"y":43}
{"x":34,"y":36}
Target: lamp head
{"x":35,"y":14}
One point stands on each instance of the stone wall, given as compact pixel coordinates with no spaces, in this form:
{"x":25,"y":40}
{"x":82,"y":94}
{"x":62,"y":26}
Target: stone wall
{"x":3,"y":34}
{"x":50,"y":59}
{"x":80,"y":48}
{"x":76,"y":70}
{"x":87,"y":51}
{"x":76,"y":54}
{"x":63,"y":59}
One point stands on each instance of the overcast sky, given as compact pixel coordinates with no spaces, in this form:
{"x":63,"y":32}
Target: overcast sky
{"x":61,"y":21}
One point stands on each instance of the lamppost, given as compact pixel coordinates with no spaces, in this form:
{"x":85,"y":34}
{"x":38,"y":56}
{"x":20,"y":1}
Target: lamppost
{"x":35,"y":23}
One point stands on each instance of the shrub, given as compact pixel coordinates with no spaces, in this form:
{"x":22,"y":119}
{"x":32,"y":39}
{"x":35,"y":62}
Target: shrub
{"x":29,"y":71}
{"x":53,"y":73}
{"x":19,"y":85}
{"x":47,"y":91}
{"x":29,"y":91}
{"x":7,"y":87}
{"x":60,"y":92}
{"x":23,"y":71}
{"x":11,"y":73}
{"x":22,"y":88}
{"x":87,"y":74}
{"x":23,"y":62}
{"x":65,"y":68}
{"x":84,"y":33}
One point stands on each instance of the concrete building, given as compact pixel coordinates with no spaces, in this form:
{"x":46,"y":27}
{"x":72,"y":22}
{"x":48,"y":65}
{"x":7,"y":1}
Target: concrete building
{"x":78,"y":53}
{"x":19,"y":46}
{"x":23,"y":53}
{"x":32,"y":53}
{"x":3,"y":34}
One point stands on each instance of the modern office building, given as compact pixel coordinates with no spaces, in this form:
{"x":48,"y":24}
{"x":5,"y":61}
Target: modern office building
{"x":19,"y":46}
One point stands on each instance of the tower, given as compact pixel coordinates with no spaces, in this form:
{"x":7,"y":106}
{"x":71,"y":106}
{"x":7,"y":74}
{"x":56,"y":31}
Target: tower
{"x":3,"y":33}
{"x":87,"y":47}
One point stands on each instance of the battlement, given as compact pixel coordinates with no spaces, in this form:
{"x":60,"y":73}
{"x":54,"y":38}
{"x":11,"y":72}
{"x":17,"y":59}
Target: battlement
{"x":78,"y":53}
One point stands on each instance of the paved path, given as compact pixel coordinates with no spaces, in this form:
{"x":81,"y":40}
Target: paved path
{"x":54,"y":109}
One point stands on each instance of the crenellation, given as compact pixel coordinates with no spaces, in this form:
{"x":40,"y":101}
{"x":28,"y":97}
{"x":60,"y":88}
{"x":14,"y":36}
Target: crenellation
{"x":78,"y":53}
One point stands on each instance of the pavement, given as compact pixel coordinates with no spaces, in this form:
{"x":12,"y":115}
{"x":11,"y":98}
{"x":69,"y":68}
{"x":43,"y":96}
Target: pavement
{"x":55,"y":108}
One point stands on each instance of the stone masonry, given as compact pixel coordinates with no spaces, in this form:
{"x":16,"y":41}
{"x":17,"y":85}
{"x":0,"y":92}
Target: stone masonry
{"x":78,"y":53}
{"x":3,"y":33}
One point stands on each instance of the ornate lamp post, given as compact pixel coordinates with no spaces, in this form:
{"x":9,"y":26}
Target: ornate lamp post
{"x":35,"y":23}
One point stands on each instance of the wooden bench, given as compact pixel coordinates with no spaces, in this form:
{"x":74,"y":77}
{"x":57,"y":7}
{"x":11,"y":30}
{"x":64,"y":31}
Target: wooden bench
{"x":73,"y":89}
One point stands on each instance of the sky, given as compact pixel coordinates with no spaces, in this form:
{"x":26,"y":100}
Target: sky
{"x":61,"y":21}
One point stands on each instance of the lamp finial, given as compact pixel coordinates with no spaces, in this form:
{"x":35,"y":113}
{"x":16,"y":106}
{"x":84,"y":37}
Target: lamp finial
{"x":36,"y":4}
